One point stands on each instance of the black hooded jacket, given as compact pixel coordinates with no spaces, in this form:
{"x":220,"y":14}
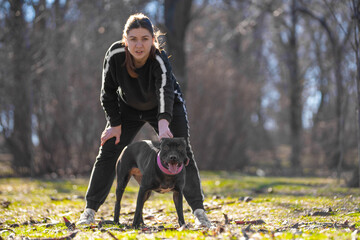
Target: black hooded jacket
{"x":155,"y":86}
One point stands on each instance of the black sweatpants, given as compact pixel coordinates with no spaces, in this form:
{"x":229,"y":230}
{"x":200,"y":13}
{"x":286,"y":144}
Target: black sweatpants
{"x":103,"y":172}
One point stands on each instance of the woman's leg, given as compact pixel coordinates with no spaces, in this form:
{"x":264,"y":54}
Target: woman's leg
{"x":103,"y":172}
{"x":193,"y":192}
{"x":179,"y":127}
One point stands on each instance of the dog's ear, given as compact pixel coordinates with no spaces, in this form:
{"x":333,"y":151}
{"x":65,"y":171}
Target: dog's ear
{"x":183,"y":141}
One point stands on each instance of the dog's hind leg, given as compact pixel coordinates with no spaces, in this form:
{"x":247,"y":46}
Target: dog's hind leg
{"x":178,"y":201}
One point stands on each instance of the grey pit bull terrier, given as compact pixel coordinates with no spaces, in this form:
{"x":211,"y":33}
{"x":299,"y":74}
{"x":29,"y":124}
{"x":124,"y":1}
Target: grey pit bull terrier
{"x":156,"y":167}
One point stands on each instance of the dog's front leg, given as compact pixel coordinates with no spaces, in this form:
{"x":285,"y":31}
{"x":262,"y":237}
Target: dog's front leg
{"x":122,"y":180}
{"x":119,"y":193}
{"x":178,"y":201}
{"x":143,"y":195}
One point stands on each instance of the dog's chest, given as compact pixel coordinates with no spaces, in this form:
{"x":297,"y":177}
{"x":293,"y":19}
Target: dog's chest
{"x":165,"y":190}
{"x":165,"y":187}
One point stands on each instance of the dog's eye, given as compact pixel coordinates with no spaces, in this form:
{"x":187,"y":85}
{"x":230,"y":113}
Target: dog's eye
{"x":180,"y":148}
{"x":166,"y":148}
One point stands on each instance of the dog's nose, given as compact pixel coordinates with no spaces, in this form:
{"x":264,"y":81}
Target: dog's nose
{"x":173,"y":158}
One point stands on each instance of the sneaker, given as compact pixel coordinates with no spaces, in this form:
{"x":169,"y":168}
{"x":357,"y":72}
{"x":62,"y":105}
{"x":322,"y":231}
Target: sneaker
{"x":201,"y":218}
{"x":87,"y":217}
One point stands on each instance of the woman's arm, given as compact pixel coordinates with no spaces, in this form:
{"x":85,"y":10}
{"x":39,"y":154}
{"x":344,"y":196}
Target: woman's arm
{"x":165,"y":87}
{"x":109,"y":96}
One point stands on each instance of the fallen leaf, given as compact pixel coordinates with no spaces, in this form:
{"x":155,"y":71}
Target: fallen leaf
{"x":321,"y":214}
{"x":246,"y":199}
{"x":220,"y":229}
{"x":71,"y":236}
{"x":239,"y":222}
{"x":296,"y":225}
{"x":100,"y":225}
{"x":254,"y":222}
{"x":248,"y":228}
{"x":352,"y":227}
{"x":213,"y":208}
{"x":245,"y":234}
{"x":170,"y":229}
{"x":110,"y":222}
{"x":7,"y":229}
{"x":112,"y":235}
{"x":48,"y":225}
{"x":69,"y":225}
{"x":116,"y":229}
{"x":59,"y":199}
{"x":149,"y":217}
{"x":227,"y":221}
{"x":5,"y":204}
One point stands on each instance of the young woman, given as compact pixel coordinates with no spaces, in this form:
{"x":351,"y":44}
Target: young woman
{"x":138,"y":87}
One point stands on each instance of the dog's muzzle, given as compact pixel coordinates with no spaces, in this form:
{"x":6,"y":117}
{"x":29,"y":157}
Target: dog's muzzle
{"x":173,"y":170}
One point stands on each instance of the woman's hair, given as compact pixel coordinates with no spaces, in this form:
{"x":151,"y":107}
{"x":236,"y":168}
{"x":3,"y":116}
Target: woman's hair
{"x":139,"y":20}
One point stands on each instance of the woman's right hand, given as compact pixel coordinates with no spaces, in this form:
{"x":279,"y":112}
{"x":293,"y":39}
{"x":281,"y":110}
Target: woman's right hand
{"x":111,"y":132}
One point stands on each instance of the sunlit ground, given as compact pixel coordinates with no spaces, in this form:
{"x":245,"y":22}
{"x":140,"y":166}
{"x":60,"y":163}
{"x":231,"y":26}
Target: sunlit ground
{"x":238,"y":206}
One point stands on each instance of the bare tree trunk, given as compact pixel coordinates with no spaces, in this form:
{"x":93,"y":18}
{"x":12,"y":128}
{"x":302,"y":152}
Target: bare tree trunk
{"x":177,"y":14}
{"x":355,"y":181}
{"x":356,"y":5}
{"x":39,"y":72}
{"x":323,"y":85}
{"x":337,"y":46}
{"x":19,"y":142}
{"x":295,"y":94}
{"x":62,"y":126}
{"x":338,"y":159}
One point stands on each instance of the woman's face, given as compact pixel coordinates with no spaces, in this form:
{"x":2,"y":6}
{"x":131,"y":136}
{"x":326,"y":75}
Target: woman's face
{"x":139,"y":42}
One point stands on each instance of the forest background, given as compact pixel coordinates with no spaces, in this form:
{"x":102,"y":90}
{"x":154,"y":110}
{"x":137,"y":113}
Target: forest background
{"x":271,"y":85}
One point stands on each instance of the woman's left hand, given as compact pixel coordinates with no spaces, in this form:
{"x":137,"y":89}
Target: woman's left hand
{"x":164,"y":131}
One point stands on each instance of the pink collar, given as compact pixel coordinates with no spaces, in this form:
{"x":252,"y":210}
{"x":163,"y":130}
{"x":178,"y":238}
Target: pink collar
{"x":165,"y":170}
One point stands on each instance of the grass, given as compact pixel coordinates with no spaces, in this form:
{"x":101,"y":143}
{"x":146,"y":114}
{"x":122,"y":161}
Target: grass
{"x":239,"y":207}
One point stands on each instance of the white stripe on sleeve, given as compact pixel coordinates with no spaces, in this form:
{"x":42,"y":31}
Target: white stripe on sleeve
{"x":107,"y":59}
{"x":163,"y":83}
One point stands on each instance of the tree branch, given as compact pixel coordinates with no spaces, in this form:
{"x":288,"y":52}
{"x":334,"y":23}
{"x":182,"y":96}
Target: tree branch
{"x":322,"y":22}
{"x":346,"y":32}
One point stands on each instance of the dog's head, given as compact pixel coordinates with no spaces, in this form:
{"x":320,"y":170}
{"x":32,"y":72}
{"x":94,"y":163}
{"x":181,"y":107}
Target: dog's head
{"x":173,"y":153}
